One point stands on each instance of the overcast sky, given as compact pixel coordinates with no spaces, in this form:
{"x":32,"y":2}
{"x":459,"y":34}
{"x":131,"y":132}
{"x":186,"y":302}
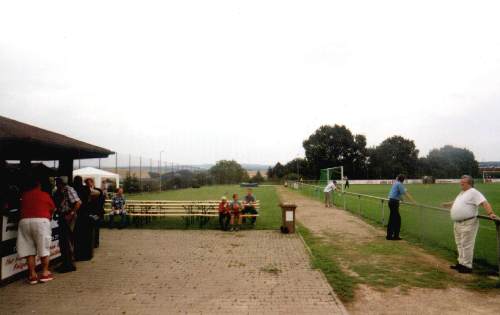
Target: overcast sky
{"x":250,"y":80}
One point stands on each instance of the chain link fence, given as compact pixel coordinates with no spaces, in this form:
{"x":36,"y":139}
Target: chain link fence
{"x":427,"y":225}
{"x":143,"y":173}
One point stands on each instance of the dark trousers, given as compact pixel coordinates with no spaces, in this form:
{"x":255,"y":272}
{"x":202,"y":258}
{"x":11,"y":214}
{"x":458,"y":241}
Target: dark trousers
{"x":123,"y":220}
{"x":65,"y":244}
{"x":97,"y":230}
{"x":224,"y":221}
{"x":249,"y":210}
{"x":394,"y":225}
{"x":84,"y":237}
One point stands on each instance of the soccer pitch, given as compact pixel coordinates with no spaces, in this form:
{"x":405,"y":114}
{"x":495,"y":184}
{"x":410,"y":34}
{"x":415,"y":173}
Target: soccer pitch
{"x":429,"y":227}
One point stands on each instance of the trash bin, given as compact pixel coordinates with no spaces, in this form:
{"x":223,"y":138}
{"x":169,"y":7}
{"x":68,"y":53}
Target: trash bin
{"x":288,"y":217}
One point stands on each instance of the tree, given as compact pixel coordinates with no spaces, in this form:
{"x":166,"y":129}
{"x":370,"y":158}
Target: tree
{"x":131,"y":184}
{"x":335,"y":146}
{"x":299,"y":167}
{"x":228,"y":172}
{"x":395,"y":155}
{"x":258,"y":178}
{"x":278,"y":171}
{"x":452,"y":162}
{"x":270,"y":172}
{"x":203,"y":178}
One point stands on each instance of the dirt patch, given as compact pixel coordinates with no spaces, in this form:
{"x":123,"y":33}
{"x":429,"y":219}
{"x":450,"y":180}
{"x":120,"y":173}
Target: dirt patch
{"x":351,"y":235}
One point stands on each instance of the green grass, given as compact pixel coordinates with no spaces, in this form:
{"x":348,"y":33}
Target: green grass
{"x":432,"y":195}
{"x":428,"y":227}
{"x":269,"y":214}
{"x":377,"y":263}
{"x":324,"y":257}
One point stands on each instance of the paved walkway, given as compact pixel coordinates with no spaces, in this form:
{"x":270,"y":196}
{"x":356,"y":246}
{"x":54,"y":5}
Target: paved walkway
{"x":165,"y":272}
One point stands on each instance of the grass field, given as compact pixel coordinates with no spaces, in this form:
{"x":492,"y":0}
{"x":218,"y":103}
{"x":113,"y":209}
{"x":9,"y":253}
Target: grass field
{"x":269,"y":215}
{"x":429,"y":227}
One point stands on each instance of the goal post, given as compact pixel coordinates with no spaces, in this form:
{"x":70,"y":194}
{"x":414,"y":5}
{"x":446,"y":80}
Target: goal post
{"x":335,"y":173}
{"x":491,"y":176}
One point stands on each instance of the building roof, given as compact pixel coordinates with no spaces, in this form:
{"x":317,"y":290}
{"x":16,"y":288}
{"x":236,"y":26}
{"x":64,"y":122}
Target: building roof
{"x":92,"y":171}
{"x":20,"y":141}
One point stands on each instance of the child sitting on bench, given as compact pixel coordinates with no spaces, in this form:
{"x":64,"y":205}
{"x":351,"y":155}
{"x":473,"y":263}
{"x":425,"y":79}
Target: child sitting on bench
{"x":224,"y":214}
{"x":235,"y":207}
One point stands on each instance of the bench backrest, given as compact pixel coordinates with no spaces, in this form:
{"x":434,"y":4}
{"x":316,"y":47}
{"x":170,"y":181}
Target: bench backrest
{"x":171,"y":206}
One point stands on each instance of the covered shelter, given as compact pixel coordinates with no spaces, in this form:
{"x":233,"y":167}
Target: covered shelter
{"x":99,"y":176}
{"x":26,"y":143}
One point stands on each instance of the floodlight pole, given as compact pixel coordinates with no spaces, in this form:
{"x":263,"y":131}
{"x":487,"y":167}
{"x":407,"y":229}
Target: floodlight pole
{"x":298,"y":173}
{"x":160,"y":168}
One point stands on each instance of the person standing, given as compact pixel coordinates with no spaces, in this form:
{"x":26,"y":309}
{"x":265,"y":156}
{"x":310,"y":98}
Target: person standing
{"x":34,"y":234}
{"x":67,"y":204}
{"x":329,"y":188}
{"x":118,"y":208}
{"x":464,"y":211}
{"x":346,"y":183}
{"x":96,"y":208}
{"x":396,"y":194}
{"x":82,"y":225}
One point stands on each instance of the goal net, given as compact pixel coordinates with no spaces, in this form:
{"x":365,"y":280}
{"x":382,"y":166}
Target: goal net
{"x":332,"y":173}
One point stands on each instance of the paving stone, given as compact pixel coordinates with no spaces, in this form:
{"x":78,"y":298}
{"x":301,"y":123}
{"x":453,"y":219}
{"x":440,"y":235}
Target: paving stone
{"x":183,"y":272}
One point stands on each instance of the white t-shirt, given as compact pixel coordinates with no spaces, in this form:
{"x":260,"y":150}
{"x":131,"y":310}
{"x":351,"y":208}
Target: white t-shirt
{"x":466,"y":204}
{"x":329,"y":187}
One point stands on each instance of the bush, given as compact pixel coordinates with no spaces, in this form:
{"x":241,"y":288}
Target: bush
{"x":131,"y":184}
{"x":258,"y":178}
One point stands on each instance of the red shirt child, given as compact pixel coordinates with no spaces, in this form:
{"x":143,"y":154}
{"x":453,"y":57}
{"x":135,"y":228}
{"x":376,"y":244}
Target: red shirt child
{"x":224,"y":206}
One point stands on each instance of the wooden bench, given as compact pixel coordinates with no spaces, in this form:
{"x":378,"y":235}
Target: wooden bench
{"x":142,"y":211}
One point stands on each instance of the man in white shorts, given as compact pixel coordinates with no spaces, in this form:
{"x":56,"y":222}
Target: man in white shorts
{"x":464,"y":211}
{"x":34,"y":232}
{"x":332,"y":185}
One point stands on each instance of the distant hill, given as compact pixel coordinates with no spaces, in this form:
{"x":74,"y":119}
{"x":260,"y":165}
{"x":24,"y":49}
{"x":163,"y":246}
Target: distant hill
{"x":490,"y":164}
{"x":255,"y":167}
{"x":248,"y":167}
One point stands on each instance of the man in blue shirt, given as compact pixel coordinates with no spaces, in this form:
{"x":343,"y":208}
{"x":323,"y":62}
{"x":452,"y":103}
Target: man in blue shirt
{"x":395,"y":196}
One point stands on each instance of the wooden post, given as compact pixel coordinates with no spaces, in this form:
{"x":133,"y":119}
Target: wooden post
{"x":66,"y":169}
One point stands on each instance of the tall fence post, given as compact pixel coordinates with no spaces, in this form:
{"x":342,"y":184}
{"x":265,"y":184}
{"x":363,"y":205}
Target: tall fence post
{"x":359,"y":204}
{"x":345,"y":203}
{"x":421,"y":222}
{"x":383,"y":211}
{"x":497,"y":224}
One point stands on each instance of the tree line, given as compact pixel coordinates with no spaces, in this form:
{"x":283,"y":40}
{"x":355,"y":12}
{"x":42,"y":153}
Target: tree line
{"x":336,"y":145}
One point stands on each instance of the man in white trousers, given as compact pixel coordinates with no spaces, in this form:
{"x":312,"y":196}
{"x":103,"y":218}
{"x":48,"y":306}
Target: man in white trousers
{"x":464,"y":211}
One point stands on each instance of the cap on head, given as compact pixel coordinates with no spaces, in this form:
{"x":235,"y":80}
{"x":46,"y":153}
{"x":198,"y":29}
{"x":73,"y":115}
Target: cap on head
{"x":223,"y":198}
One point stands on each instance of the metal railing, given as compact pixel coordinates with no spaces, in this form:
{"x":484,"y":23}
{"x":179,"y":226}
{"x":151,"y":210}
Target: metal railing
{"x":425,"y":224}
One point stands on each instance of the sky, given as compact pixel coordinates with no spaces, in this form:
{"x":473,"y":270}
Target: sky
{"x":250,"y":80}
